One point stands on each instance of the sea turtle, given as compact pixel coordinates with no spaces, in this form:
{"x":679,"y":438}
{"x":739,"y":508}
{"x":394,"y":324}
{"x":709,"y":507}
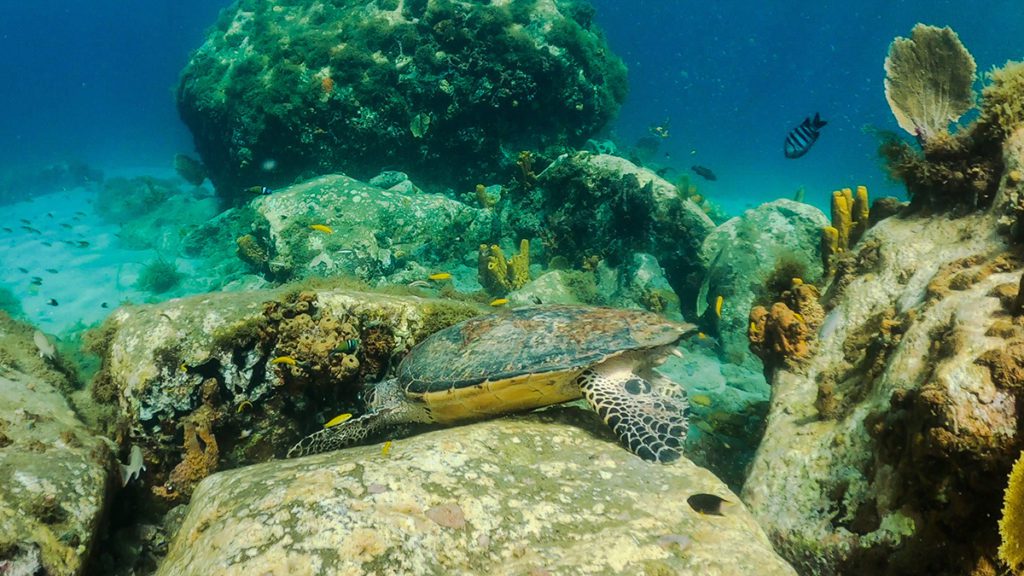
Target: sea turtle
{"x":526,"y":358}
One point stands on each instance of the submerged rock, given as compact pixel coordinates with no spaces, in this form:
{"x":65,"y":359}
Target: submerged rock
{"x":221,"y":380}
{"x":888,"y":452}
{"x":752,"y":257}
{"x":280,"y":90}
{"x":606,"y":207}
{"x":56,"y":480}
{"x":550,"y":492}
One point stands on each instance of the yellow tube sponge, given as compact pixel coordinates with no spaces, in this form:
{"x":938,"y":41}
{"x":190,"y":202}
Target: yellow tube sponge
{"x":499,"y":276}
{"x":519,"y":266}
{"x":1011,"y":525}
{"x":829,"y":247}
{"x":861,"y":214}
{"x":842,"y":218}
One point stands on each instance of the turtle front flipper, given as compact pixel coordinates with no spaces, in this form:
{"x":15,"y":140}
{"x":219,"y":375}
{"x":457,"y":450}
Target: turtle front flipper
{"x":650,"y":424}
{"x":345,"y":434}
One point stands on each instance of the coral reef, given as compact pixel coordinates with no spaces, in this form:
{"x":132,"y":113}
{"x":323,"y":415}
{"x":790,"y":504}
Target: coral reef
{"x":929,"y":81}
{"x":886,"y":450}
{"x":784,"y":334}
{"x":499,"y":275}
{"x":350,"y":86}
{"x":1011,"y":525}
{"x":253,"y":252}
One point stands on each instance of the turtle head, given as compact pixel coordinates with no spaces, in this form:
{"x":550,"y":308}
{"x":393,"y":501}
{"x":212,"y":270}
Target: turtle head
{"x":384,"y":407}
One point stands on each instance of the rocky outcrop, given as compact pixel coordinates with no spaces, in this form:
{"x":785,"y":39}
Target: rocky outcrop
{"x":281,"y":91}
{"x":221,"y":380}
{"x":752,"y":259}
{"x":602,"y":207}
{"x":888,"y":452}
{"x":548,"y":493}
{"x":56,"y":480}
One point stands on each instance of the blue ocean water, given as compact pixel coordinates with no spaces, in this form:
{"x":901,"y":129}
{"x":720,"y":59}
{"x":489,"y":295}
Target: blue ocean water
{"x":94,"y":82}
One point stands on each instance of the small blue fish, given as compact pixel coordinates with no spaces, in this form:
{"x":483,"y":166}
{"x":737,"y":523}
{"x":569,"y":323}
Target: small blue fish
{"x":801,"y":138}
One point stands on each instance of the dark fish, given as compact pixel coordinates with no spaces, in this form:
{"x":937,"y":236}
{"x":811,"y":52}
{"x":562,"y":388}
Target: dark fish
{"x":662,"y":171}
{"x":49,"y":214}
{"x":30,"y":230}
{"x":704,"y":172}
{"x":104,"y":305}
{"x":52,"y":270}
{"x":47,"y":243}
{"x":52,"y":302}
{"x":707,"y":504}
{"x":36,"y":281}
{"x":6,"y":229}
{"x":23,"y":270}
{"x":82,"y":244}
{"x":262,"y":190}
{"x":25,"y":221}
{"x":801,"y":138}
{"x":79,"y":213}
{"x":65,"y":225}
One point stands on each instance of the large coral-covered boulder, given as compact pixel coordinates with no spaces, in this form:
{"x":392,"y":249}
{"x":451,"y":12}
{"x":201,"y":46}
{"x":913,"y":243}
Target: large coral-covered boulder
{"x":437,"y":87}
{"x":547,"y":493}
{"x":888,"y":451}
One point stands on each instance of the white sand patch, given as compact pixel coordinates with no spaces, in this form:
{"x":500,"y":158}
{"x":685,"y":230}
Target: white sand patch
{"x":81,"y":278}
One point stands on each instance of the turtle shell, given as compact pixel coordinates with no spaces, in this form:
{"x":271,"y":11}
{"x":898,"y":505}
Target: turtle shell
{"x":531,"y":340}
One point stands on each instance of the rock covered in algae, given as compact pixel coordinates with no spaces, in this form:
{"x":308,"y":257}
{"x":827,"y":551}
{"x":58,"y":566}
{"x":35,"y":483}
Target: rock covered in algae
{"x":549,"y":493}
{"x":890,"y":453}
{"x":56,"y":479}
{"x":747,"y":254}
{"x":373,"y":231}
{"x":221,"y":380}
{"x":606,"y":206}
{"x":434,"y":87}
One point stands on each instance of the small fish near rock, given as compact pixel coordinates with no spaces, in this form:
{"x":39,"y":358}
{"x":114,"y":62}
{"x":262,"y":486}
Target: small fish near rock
{"x":47,"y":350}
{"x":704,"y":172}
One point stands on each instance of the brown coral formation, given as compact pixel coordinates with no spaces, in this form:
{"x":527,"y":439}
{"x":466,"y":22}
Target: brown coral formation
{"x":316,"y":339}
{"x":201,"y":454}
{"x":784,"y":334}
{"x":253,"y":252}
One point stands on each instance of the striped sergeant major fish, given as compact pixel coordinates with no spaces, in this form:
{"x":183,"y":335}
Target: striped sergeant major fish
{"x":801,"y":138}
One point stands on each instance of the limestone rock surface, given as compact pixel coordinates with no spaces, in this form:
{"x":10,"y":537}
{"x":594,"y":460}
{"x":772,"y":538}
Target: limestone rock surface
{"x":548,"y":493}
{"x":56,"y":479}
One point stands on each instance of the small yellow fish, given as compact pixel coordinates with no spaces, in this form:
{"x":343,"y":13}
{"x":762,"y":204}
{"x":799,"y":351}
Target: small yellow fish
{"x":243,"y":405}
{"x":183,"y":367}
{"x":337,"y":420}
{"x":386,"y":448}
{"x":701,"y":335}
{"x":322,"y":228}
{"x":440,"y":276}
{"x":285,"y":360}
{"x":718,"y":306}
{"x":700,"y":400}
{"x":797,"y":282}
{"x":499,"y":301}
